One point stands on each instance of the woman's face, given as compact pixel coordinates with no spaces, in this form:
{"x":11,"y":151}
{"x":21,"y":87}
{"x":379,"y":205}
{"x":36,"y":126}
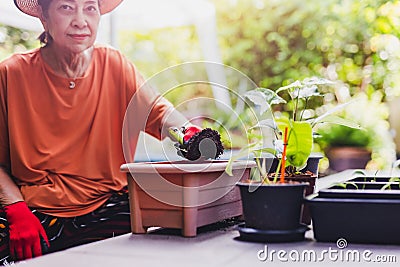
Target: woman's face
{"x":73,"y":24}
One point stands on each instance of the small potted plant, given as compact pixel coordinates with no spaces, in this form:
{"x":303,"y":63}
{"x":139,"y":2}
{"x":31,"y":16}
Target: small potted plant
{"x":273,"y":201}
{"x":345,"y":147}
{"x":300,"y":124}
{"x":272,"y":206}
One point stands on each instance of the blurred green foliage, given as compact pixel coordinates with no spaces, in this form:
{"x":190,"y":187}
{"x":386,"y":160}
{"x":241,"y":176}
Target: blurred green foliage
{"x":276,"y":42}
{"x":338,"y":135}
{"x":154,"y":50}
{"x":15,"y":40}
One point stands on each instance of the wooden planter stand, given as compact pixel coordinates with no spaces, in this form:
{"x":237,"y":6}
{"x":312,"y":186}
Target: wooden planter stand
{"x":183,"y":194}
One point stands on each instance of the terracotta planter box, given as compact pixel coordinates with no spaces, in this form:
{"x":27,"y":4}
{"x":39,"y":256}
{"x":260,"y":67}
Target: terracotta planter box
{"x":183,"y":194}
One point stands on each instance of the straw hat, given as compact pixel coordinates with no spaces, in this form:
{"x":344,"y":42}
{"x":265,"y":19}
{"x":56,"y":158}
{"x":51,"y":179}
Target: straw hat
{"x":30,"y":6}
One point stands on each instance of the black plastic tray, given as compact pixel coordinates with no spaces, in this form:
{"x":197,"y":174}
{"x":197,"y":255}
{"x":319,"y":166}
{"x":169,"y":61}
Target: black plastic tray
{"x":363,"y":187}
{"x":357,"y":219}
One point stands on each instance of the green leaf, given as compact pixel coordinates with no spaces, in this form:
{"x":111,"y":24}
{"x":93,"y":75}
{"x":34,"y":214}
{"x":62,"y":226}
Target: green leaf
{"x":244,"y":152}
{"x":389,"y":183}
{"x":316,"y":81}
{"x":305,"y":92}
{"x":334,"y":119}
{"x":342,"y":185}
{"x":259,"y":99}
{"x":296,"y":84}
{"x":266,"y":150}
{"x":345,"y":184}
{"x":268,"y":123}
{"x":176,"y":134}
{"x":271,"y":97}
{"x":300,"y":141}
{"x":305,"y":89}
{"x":264,"y":98}
{"x":358,"y":173}
{"x":330,"y":112}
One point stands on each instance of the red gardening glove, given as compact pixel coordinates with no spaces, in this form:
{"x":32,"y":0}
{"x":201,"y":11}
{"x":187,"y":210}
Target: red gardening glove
{"x":190,"y":131}
{"x":25,"y":231}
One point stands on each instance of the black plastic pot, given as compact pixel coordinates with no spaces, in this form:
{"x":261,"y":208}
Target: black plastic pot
{"x":310,"y":185}
{"x":271,"y":164}
{"x":272,"y":206}
{"x":360,"y":212}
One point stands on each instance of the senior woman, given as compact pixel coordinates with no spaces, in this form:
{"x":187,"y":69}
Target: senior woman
{"x":62,"y":108}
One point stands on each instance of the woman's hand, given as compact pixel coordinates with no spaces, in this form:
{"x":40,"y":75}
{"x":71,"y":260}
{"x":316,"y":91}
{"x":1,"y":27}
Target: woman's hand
{"x":183,"y":135}
{"x":25,"y":231}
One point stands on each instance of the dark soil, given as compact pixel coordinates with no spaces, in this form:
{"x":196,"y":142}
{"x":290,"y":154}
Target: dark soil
{"x":205,"y":144}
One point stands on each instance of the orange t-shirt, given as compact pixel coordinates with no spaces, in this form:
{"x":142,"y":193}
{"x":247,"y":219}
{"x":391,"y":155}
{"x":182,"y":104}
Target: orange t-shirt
{"x":63,"y":146}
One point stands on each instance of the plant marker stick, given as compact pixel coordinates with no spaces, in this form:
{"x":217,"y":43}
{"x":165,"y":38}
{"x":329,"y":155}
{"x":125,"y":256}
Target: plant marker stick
{"x":282,"y":180}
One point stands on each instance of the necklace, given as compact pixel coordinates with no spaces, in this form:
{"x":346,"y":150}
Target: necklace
{"x":72,"y":84}
{"x":72,"y":81}
{"x":81,"y":64}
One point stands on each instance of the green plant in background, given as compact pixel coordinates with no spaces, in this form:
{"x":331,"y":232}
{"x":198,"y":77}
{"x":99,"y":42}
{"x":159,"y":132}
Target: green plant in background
{"x":355,"y":42}
{"x":339,"y":136}
{"x":371,"y":113}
